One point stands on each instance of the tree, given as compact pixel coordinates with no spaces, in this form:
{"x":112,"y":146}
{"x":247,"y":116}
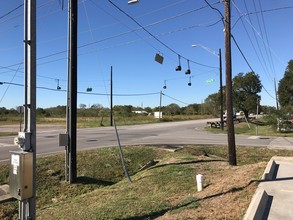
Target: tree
{"x":172,"y":109}
{"x":96,"y":106}
{"x":213,"y":104}
{"x":82,"y":106}
{"x":285,"y":91}
{"x":148,"y":109}
{"x":123,"y":110}
{"x":246,"y":89}
{"x":192,"y":109}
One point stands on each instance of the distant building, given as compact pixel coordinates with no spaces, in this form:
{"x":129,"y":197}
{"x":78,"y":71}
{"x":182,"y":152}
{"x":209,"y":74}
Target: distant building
{"x":158,"y":114}
{"x":140,"y":112}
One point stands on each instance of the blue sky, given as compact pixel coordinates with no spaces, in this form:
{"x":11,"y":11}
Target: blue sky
{"x":107,"y":37}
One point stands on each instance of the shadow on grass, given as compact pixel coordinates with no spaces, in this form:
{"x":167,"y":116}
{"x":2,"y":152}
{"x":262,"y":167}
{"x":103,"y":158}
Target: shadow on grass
{"x":187,"y":162}
{"x":89,"y":180}
{"x":188,"y":203}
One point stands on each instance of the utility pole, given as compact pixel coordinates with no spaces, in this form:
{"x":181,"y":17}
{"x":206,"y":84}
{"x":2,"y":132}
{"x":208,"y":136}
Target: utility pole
{"x":160,"y":114}
{"x":257,"y":105}
{"x":111,"y":97}
{"x":276,"y":93}
{"x":72,"y":92}
{"x":27,"y":207}
{"x":229,"y":104}
{"x":221,"y":89}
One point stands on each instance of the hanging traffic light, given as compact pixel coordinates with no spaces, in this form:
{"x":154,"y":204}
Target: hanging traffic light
{"x":165,"y":86}
{"x":178,"y":68}
{"x":187,"y":72}
{"x":89,"y":89}
{"x":58,"y":87}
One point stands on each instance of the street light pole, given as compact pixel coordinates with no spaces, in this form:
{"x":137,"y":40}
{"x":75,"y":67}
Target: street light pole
{"x":219,"y":55}
{"x":111,"y":97}
{"x":160,"y":109}
{"x":221,"y":90}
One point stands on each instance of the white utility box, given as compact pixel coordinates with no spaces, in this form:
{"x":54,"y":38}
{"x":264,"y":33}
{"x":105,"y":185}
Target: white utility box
{"x":21,"y":175}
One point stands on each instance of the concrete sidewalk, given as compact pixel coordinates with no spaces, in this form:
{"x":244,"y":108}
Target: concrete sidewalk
{"x":273,"y":199}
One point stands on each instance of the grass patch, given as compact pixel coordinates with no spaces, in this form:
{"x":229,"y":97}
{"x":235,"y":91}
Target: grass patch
{"x":243,"y":128}
{"x":89,"y":122}
{"x":167,"y":189}
{"x":8,"y":133}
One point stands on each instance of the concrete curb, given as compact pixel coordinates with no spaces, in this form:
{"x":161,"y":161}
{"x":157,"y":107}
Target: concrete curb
{"x":4,"y":194}
{"x":269,"y":173}
{"x":257,"y":206}
{"x":260,"y":199}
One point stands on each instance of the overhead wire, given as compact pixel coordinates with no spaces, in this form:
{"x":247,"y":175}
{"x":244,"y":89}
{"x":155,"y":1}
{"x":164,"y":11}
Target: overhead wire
{"x":9,"y":84}
{"x":20,"y":14}
{"x":87,"y":93}
{"x":152,"y":35}
{"x":261,"y":11}
{"x":124,"y":33}
{"x":175,"y":99}
{"x":255,"y":31}
{"x":267,"y":39}
{"x":250,"y":40}
{"x":159,"y":35}
{"x":262,"y":30}
{"x":11,"y":11}
{"x":110,"y":47}
{"x":264,"y":11}
{"x":237,"y":45}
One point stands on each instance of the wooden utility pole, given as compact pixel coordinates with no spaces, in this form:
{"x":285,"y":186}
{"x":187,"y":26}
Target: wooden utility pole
{"x":229,"y":103}
{"x":72,"y":92}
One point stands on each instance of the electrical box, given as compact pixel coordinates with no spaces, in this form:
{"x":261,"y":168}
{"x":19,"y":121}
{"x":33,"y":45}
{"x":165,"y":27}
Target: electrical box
{"x":23,"y":140}
{"x":21,"y":175}
{"x":63,"y":139}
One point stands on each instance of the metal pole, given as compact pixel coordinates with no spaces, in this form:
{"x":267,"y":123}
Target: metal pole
{"x":276,"y":92}
{"x":111,"y":98}
{"x":72,"y":81}
{"x":221,"y":89}
{"x":256,"y":127}
{"x":27,"y":208}
{"x":160,"y":105}
{"x":229,"y":103}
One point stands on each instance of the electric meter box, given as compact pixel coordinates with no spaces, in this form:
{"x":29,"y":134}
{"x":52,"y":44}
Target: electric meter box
{"x":21,"y":175}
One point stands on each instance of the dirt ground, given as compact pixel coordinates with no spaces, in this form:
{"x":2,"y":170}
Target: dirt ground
{"x":227,"y":193}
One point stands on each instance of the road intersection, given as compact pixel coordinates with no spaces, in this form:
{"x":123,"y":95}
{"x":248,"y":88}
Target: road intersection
{"x":167,"y":133}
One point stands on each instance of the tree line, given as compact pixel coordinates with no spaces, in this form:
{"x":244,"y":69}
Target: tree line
{"x":246,"y":97}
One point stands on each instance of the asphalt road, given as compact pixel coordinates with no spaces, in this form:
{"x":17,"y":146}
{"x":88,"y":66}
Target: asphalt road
{"x":169,"y":133}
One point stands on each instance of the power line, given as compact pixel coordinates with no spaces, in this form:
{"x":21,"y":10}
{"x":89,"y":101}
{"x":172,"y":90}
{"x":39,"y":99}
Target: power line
{"x":242,"y":54}
{"x":248,"y":63}
{"x":175,"y":99}
{"x":9,"y":84}
{"x":8,"y":13}
{"x":266,"y":71}
{"x":153,"y":36}
{"x":108,"y":38}
{"x":87,"y":93}
{"x":261,"y":11}
{"x":250,"y":40}
{"x":267,"y":40}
